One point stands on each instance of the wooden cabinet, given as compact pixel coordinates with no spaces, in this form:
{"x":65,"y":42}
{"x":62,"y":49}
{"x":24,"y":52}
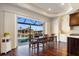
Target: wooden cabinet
{"x":74,"y":19}
{"x":73,"y":46}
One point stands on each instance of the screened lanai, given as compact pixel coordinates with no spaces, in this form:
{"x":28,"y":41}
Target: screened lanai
{"x":30,"y":21}
{"x":28,"y":26}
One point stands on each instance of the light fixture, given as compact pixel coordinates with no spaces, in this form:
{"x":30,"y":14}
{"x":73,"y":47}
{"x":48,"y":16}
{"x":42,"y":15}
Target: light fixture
{"x":49,"y":9}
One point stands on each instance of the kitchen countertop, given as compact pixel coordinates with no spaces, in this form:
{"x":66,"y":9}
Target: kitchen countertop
{"x":74,"y":36}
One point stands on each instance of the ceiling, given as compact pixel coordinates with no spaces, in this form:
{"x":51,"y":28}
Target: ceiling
{"x":55,"y":7}
{"x":50,"y":9}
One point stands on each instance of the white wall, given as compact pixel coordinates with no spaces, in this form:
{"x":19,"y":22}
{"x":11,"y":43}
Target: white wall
{"x":1,"y":26}
{"x":55,"y":27}
{"x":48,"y":27}
{"x":1,"y":23}
{"x":64,"y":28}
{"x":60,"y":27}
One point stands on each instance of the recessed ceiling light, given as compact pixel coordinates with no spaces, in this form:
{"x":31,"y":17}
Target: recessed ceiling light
{"x":62,"y":3}
{"x":49,"y":9}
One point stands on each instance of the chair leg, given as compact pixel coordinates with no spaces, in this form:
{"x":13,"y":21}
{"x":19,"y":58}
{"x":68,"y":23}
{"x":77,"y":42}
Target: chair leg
{"x":33,"y":47}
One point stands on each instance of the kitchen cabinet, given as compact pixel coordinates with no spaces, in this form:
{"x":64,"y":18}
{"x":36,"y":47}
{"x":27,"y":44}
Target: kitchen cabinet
{"x":74,"y":19}
{"x":73,"y":46}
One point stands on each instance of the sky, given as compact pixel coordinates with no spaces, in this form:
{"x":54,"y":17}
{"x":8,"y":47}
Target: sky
{"x":29,"y":20}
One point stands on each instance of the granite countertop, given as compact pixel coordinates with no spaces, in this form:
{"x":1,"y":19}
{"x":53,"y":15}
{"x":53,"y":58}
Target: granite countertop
{"x":74,"y":35}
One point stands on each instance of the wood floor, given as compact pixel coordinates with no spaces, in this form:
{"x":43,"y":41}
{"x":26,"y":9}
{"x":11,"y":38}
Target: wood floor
{"x":57,"y":49}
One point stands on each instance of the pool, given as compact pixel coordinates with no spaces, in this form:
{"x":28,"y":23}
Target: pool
{"x":23,"y":41}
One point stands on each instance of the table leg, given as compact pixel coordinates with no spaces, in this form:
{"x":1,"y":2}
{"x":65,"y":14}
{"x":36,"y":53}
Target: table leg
{"x":43,"y":46}
{"x":38,"y":48}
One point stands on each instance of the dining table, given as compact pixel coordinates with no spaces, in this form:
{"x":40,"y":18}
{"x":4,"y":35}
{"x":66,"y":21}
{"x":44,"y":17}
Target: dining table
{"x":41,"y":40}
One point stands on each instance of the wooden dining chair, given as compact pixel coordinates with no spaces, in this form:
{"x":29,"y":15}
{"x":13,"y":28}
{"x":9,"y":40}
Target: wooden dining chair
{"x":46,"y":38}
{"x":51,"y":40}
{"x":34,"y":43}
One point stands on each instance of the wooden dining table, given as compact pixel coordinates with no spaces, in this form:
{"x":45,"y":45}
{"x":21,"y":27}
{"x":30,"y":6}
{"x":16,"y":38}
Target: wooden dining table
{"x":41,"y":40}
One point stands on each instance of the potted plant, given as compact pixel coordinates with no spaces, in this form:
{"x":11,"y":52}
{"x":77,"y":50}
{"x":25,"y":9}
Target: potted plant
{"x":7,"y":34}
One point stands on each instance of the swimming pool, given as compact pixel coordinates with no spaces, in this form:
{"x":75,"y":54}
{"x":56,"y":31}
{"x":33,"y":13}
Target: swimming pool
{"x":23,"y":41}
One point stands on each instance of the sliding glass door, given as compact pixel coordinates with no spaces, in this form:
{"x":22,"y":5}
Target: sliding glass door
{"x":27,"y":29}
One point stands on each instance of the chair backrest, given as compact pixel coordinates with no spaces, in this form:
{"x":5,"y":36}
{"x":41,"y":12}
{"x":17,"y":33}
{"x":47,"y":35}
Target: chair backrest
{"x":52,"y":35}
{"x":46,"y":37}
